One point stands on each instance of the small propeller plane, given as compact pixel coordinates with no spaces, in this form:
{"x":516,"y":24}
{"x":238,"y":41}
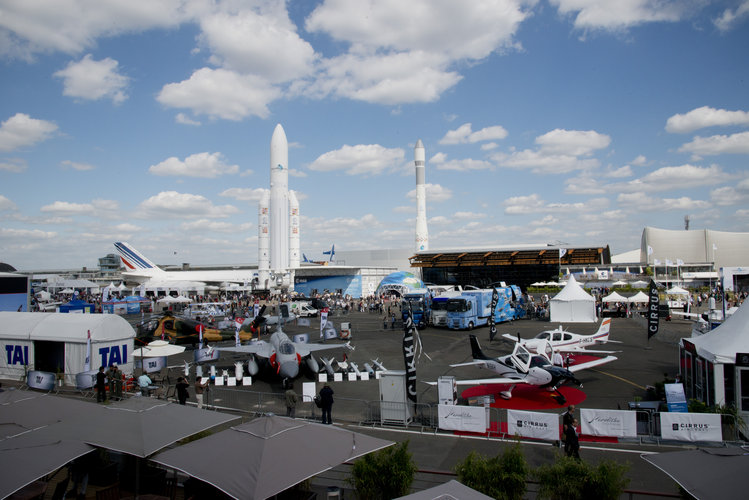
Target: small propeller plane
{"x":566,"y":341}
{"x":284,"y":355}
{"x":524,"y":367}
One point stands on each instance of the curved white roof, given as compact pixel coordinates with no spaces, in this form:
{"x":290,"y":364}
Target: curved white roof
{"x":722,"y":344}
{"x":61,"y":327}
{"x":695,"y":246}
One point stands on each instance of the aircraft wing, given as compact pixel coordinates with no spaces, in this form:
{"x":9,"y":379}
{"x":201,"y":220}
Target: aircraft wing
{"x":581,"y":350}
{"x":591,"y":364}
{"x":482,"y":381}
{"x":475,"y":362}
{"x":512,"y":337}
{"x":260,"y":348}
{"x":307,"y":349}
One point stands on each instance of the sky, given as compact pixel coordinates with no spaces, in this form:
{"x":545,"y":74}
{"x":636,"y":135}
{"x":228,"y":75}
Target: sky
{"x":569,"y":122}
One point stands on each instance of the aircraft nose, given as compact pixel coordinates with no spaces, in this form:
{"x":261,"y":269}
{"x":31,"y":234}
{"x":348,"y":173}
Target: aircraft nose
{"x":289,"y":369}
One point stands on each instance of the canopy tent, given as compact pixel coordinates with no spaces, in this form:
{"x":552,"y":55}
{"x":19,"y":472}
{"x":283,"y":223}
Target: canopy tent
{"x":639,"y":284}
{"x":253,"y":460}
{"x":722,"y":471}
{"x":614,"y":297}
{"x":174,"y":300}
{"x":676,"y":290}
{"x":619,"y":283}
{"x":721,"y":344}
{"x":158,"y":349}
{"x":65,"y":337}
{"x":401,"y":282}
{"x":639,"y":298}
{"x":573,"y":304}
{"x":450,"y":489}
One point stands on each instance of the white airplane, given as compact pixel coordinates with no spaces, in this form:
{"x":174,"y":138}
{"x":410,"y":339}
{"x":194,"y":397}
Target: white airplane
{"x":566,"y":341}
{"x":284,"y":355}
{"x":142,"y":270}
{"x":524,"y":367}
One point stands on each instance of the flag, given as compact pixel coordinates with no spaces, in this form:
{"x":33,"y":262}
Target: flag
{"x":656,"y":262}
{"x":409,"y":357}
{"x":669,"y":263}
{"x":323,"y":321}
{"x":679,"y":262}
{"x":562,"y":252}
{"x":653,"y":310}
{"x":87,"y":363}
{"x":492,"y":320}
{"x":650,"y":250}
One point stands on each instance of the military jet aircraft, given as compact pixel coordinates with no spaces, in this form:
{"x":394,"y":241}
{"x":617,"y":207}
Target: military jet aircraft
{"x":183,"y":330}
{"x":524,"y":367}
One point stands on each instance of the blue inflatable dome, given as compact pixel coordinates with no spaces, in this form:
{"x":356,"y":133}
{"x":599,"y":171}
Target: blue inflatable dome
{"x":400,"y":282}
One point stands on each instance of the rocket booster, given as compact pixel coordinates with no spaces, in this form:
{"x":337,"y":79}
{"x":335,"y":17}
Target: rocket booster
{"x":422,"y":234}
{"x":279,"y":201}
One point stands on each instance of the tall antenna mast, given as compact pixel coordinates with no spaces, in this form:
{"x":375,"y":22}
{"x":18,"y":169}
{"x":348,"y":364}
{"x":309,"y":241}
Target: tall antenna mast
{"x":686,"y":222}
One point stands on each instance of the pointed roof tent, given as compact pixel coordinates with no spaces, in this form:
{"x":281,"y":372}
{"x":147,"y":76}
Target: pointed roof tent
{"x":573,"y":304}
{"x":721,"y":344}
{"x":639,"y":297}
{"x":676,"y":290}
{"x":614,"y":297}
{"x":573,"y":291}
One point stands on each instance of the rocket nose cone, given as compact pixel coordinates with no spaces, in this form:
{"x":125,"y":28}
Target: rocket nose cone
{"x":419,"y":144}
{"x":278,"y":134}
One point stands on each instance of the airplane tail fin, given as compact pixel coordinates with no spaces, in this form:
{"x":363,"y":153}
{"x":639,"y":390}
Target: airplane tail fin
{"x":603,"y":330}
{"x":476,"y":352}
{"x":133,"y":259}
{"x":330,"y":252}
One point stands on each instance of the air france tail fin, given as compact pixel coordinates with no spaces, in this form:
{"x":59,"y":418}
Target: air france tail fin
{"x":133,"y":259}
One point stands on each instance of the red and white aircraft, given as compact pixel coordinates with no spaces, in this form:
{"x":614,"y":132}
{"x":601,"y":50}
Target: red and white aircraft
{"x":566,"y":341}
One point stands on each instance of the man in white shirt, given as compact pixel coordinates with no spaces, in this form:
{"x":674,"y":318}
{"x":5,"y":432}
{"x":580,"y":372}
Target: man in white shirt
{"x":143,"y":382}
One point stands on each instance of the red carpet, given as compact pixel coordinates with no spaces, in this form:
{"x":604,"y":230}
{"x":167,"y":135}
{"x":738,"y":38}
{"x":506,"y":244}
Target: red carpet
{"x":525,"y":397}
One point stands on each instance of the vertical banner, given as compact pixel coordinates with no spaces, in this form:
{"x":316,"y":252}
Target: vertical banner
{"x":492,"y":319}
{"x":409,"y":357}
{"x":323,"y":321}
{"x":653,"y":310}
{"x":87,"y":363}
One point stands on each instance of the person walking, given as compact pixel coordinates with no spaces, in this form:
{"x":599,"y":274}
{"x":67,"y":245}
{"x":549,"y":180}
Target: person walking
{"x":199,"y":388}
{"x":572,"y":443}
{"x":567,"y":418}
{"x":115,"y":382}
{"x":326,"y":403}
{"x":291,"y":400}
{"x":101,"y":389}
{"x":182,"y":394}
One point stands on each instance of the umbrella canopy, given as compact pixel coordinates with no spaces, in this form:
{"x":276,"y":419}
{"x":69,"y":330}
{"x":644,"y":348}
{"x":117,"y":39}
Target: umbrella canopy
{"x":722,"y":471}
{"x":639,"y":284}
{"x":145,"y":425}
{"x":450,"y":489}
{"x":619,"y":283}
{"x":266,"y":456}
{"x":158,"y":349}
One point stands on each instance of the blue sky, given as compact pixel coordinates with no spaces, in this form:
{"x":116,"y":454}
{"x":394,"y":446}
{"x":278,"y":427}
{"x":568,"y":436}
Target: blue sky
{"x":574,"y":121}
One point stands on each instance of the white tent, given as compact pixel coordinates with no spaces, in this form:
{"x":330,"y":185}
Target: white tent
{"x":60,"y":340}
{"x":573,"y":304}
{"x":614,"y":297}
{"x":639,"y":298}
{"x":721,"y":344}
{"x":676,"y":290}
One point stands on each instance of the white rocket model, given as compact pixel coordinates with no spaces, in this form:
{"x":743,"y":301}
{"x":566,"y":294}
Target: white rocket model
{"x":422,"y":234}
{"x":278,"y":221}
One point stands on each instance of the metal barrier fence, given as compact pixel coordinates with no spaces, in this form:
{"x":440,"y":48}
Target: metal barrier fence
{"x":423,"y":416}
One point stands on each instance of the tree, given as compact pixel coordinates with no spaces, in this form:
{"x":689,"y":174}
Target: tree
{"x":385,"y":474}
{"x":571,"y":479}
{"x":503,"y":476}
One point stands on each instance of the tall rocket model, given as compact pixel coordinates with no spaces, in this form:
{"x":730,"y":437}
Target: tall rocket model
{"x":278,"y":221}
{"x":422,"y":234}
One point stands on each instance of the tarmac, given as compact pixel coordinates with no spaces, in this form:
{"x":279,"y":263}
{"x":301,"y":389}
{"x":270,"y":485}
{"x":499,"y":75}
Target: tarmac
{"x":640,"y":363}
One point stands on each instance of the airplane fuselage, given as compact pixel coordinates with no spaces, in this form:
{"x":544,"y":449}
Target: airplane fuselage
{"x":285,"y":360}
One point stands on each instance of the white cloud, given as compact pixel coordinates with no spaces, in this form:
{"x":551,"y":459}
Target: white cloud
{"x":71,"y":26}
{"x":202,"y":226}
{"x":67,"y":208}
{"x":641,"y":202}
{"x":543,"y":163}
{"x":77,"y":165}
{"x":15,"y":165}
{"x":616,"y":15}
{"x":362,"y":159}
{"x":618,"y":173}
{"x":204,"y":165}
{"x":519,"y":205}
{"x":439,"y":220}
{"x":468,"y":215}
{"x":731,"y":195}
{"x":94,"y":80}
{"x":244,"y":194}
{"x":548,"y":220}
{"x":220,"y":93}
{"x":583,"y":184}
{"x":463,"y":165}
{"x":6,"y":204}
{"x":718,"y":144}
{"x":25,"y":235}
{"x":670,"y":178}
{"x":705,"y":117}
{"x":731,"y":18}
{"x":434,"y":193}
{"x":20,"y":130}
{"x":572,"y":142}
{"x":174,"y":205}
{"x":183,"y":119}
{"x":639,"y":161}
{"x":463,"y":134}
{"x":239,"y":41}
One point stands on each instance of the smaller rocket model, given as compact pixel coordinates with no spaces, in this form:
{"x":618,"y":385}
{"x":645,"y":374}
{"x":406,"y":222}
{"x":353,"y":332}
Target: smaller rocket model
{"x":422,"y":234}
